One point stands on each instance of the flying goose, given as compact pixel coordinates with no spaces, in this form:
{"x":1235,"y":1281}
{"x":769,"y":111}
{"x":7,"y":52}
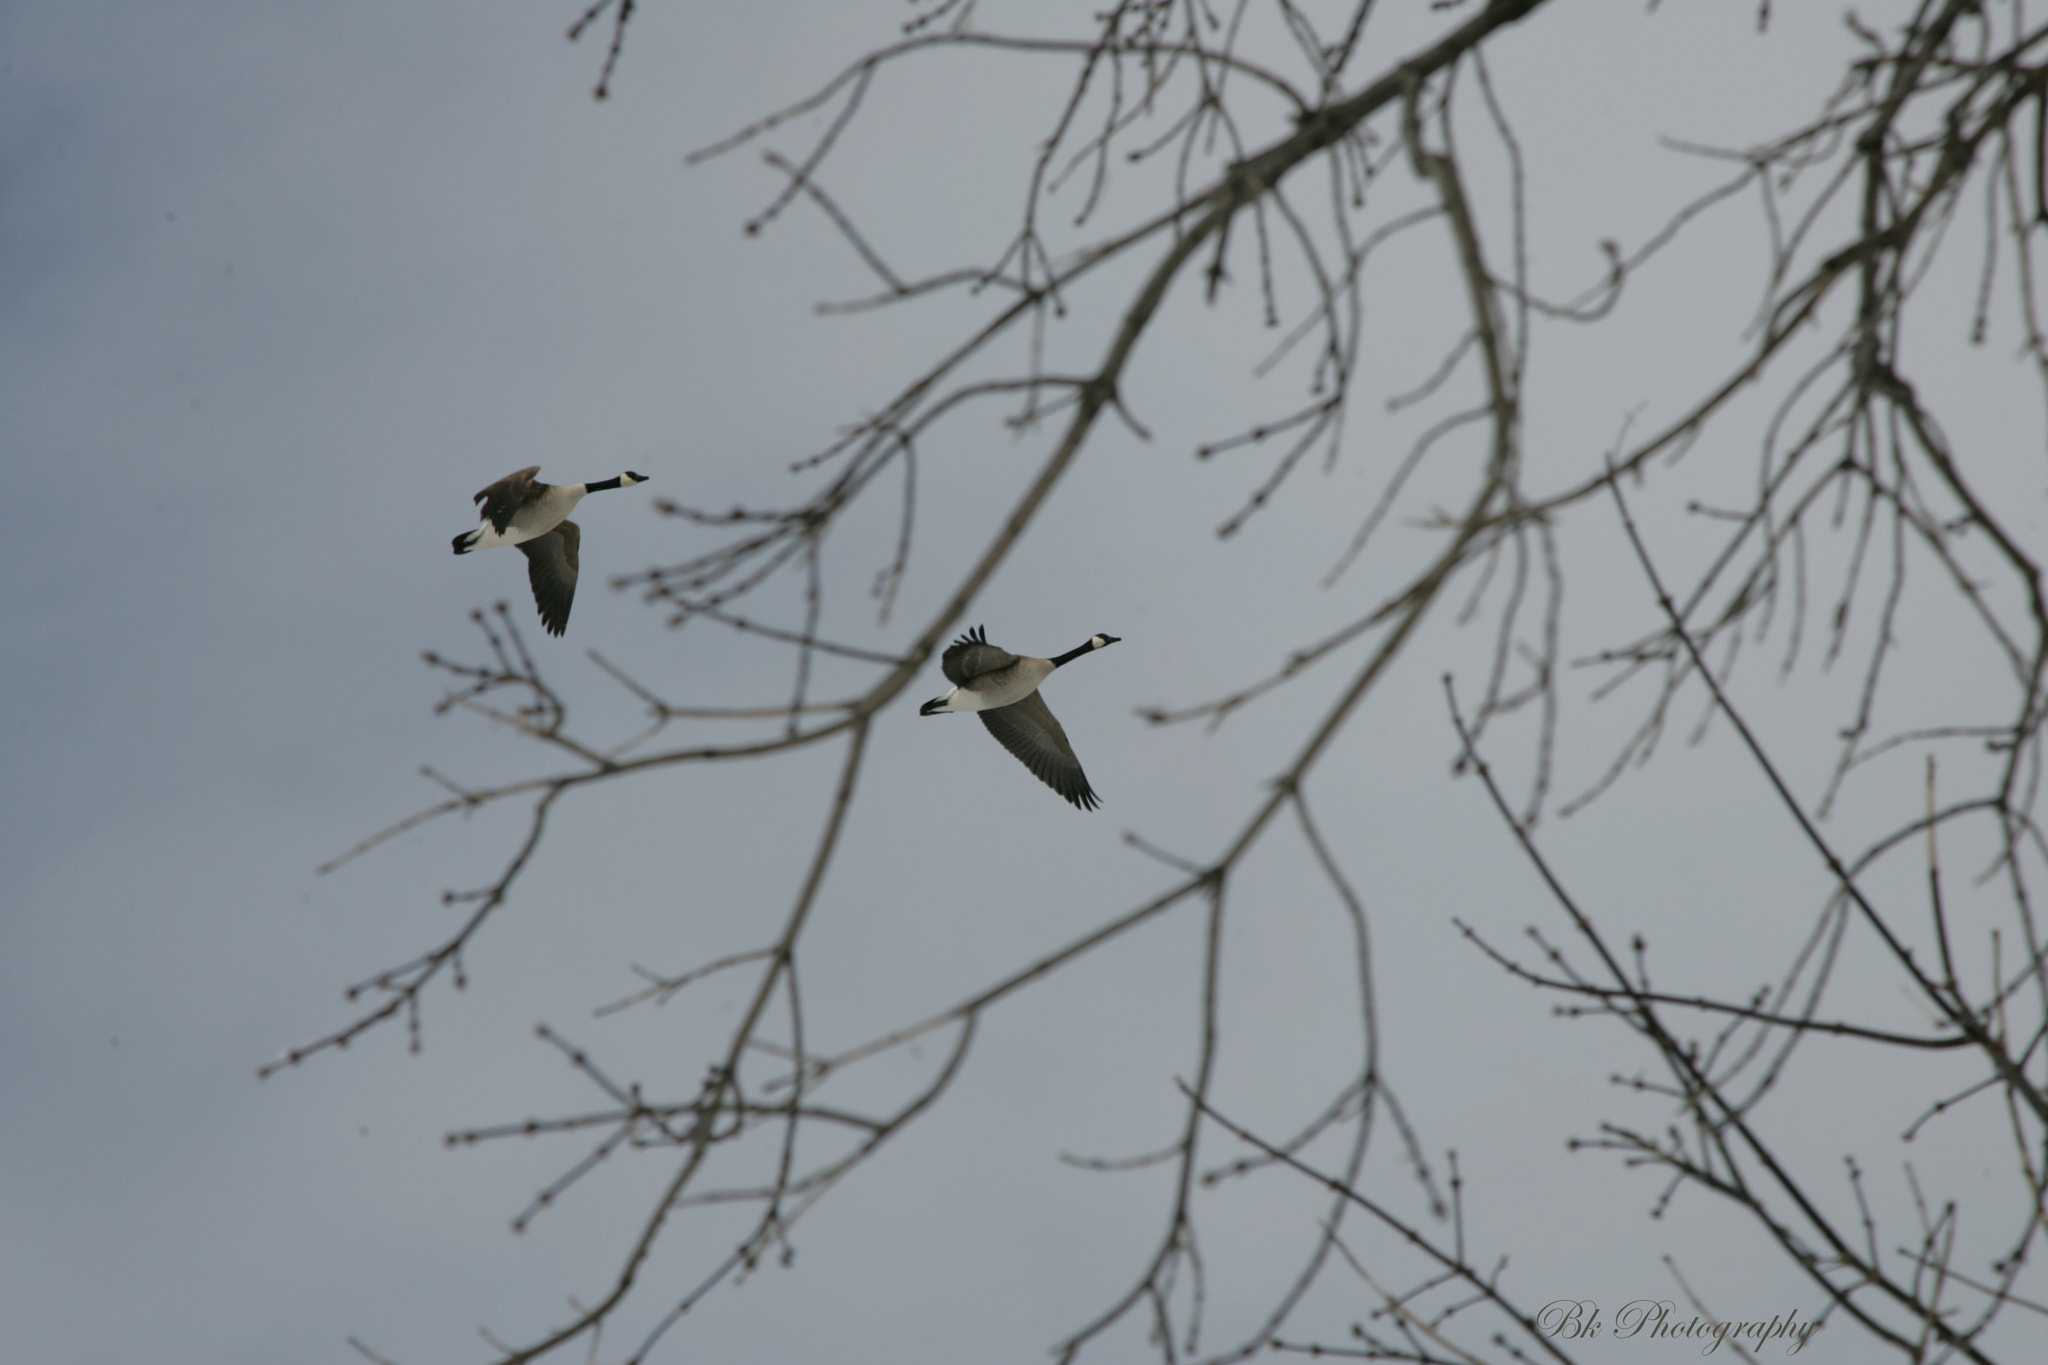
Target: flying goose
{"x":1002,"y":688}
{"x":521,"y":510}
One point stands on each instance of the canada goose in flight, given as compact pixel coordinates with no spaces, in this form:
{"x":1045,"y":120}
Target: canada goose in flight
{"x":521,"y":510}
{"x":1002,"y":688}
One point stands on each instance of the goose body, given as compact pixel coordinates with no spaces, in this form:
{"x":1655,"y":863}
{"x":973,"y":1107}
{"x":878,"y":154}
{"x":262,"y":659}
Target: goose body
{"x":521,"y":510}
{"x":1002,"y":688}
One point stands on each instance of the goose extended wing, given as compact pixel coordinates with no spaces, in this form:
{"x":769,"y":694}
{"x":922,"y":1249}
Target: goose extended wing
{"x":971,"y":656}
{"x":1029,"y":730}
{"x":551,"y":569}
{"x":503,"y":498}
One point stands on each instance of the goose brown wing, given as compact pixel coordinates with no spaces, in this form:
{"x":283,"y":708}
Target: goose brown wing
{"x":551,"y":569}
{"x":1029,"y":730}
{"x":971,"y":656}
{"x":506,"y":496}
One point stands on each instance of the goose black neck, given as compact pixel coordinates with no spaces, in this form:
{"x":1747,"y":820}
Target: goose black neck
{"x":1078,"y":651}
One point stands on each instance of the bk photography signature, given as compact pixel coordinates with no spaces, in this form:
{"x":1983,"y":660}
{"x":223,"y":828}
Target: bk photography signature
{"x":1656,"y":1320}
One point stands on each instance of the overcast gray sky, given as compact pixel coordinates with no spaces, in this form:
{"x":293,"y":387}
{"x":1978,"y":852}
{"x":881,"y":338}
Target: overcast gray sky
{"x":280,"y":287}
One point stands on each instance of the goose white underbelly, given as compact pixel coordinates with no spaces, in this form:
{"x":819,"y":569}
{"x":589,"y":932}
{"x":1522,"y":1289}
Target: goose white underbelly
{"x":536,"y":519}
{"x":1005,"y":688}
